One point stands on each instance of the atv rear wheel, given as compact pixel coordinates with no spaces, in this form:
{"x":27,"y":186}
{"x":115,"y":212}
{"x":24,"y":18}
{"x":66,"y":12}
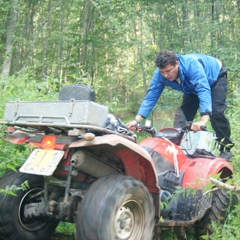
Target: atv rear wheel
{"x":116,"y":207}
{"x":217,"y":213}
{"x":13,"y":225}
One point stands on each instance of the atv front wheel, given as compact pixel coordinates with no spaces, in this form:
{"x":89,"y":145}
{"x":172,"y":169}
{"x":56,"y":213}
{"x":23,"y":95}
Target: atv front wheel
{"x":116,"y":207}
{"x":13,"y":225}
{"x":221,"y":201}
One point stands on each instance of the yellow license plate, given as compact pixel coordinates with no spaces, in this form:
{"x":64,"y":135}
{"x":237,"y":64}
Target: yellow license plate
{"x":42,"y":162}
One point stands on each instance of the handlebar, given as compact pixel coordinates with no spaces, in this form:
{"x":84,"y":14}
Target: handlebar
{"x":141,"y":128}
{"x":173,"y":134}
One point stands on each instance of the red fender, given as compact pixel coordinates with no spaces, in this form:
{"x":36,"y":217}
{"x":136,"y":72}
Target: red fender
{"x":199,"y":170}
{"x":166,"y":149}
{"x":136,"y":160}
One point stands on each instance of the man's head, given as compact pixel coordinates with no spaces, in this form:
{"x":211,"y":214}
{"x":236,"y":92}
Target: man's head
{"x":168,"y":64}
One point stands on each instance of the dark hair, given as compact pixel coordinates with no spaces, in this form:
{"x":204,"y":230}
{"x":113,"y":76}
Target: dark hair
{"x":166,"y":57}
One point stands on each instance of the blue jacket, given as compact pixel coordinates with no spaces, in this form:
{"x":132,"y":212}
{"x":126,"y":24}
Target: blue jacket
{"x":197,"y":72}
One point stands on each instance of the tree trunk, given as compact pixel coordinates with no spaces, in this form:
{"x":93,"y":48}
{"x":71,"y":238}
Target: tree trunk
{"x":85,"y":31}
{"x":11,"y":24}
{"x":45,"y":47}
{"x":140,"y":53}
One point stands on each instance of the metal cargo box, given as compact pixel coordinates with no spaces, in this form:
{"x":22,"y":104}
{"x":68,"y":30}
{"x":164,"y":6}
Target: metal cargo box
{"x":64,"y":113}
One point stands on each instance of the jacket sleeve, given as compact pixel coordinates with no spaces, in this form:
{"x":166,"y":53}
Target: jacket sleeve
{"x":199,"y":80}
{"x":154,"y":93}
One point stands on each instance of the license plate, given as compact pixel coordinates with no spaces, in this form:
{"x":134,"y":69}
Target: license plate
{"x":42,"y":162}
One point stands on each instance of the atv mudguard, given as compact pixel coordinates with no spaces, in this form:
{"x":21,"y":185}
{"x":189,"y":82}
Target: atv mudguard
{"x":199,"y":170}
{"x":196,"y":171}
{"x":136,"y":160}
{"x":165,"y":148}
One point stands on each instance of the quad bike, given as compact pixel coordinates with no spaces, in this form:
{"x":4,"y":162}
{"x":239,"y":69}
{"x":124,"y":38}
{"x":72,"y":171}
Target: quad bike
{"x":87,"y":168}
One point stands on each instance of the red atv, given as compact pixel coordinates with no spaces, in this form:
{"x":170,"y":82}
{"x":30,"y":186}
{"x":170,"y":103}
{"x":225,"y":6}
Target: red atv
{"x":86,"y":168}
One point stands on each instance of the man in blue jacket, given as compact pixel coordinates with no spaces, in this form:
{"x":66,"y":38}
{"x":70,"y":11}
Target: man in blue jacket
{"x":203,"y":80}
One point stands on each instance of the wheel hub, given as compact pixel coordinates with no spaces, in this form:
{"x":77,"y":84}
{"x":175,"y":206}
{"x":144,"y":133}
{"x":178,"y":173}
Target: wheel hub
{"x":124,"y":223}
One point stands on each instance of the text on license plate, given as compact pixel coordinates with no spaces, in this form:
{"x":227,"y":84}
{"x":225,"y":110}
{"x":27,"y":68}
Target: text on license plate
{"x":42,"y":162}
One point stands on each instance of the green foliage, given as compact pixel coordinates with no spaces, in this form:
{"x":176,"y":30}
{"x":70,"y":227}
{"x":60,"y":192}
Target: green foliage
{"x":67,"y":228}
{"x":12,"y":156}
{"x":112,"y":45}
{"x":228,"y":230}
{"x":12,"y":189}
{"x":13,"y":89}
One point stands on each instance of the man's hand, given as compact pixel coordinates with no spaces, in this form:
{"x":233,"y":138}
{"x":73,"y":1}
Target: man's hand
{"x":131,"y":124}
{"x":135,"y":122}
{"x":197,"y":126}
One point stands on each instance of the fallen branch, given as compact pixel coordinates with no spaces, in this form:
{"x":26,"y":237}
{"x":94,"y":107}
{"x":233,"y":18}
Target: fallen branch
{"x":224,"y":185}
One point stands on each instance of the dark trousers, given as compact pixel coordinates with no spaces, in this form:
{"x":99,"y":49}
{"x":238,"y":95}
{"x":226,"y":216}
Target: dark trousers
{"x":219,"y":120}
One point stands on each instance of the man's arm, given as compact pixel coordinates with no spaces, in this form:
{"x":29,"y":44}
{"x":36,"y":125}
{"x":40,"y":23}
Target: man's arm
{"x":200,"y":81}
{"x":148,"y":103}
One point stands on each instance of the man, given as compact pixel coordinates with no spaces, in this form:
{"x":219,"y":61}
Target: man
{"x":203,"y":80}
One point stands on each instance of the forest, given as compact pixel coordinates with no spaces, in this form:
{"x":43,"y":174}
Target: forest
{"x":111,"y":45}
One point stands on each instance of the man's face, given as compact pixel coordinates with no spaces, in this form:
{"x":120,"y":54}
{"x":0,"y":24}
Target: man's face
{"x":170,"y":72}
